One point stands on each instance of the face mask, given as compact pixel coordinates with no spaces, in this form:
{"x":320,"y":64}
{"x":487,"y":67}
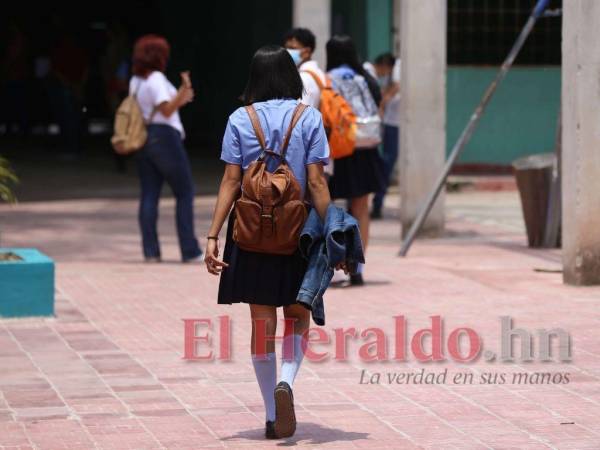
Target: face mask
{"x":383,"y":80}
{"x":295,"y":54}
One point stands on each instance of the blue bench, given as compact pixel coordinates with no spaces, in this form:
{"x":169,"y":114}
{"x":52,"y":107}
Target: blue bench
{"x":27,"y":284}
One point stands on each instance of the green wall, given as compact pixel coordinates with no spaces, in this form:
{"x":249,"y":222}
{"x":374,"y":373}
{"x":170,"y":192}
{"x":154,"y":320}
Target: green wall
{"x":369,"y":22}
{"x":379,"y":27}
{"x":520,"y":119}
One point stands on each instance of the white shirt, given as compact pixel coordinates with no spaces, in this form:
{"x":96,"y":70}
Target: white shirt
{"x":151,"y":92}
{"x":391,"y":113}
{"x":370,"y":68}
{"x":312,"y":94}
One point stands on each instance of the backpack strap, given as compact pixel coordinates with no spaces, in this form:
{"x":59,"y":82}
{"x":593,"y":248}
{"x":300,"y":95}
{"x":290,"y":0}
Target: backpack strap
{"x":134,"y":95}
{"x":137,"y":88}
{"x":288,"y":135}
{"x":317,"y":79}
{"x":258,"y":131}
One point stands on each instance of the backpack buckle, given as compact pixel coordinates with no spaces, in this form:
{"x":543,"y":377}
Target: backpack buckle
{"x":267,"y":221}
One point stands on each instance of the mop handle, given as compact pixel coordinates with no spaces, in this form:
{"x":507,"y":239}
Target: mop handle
{"x":466,"y":134}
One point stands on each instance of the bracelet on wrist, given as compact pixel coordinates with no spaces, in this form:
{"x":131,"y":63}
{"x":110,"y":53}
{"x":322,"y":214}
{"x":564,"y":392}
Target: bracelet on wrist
{"x":216,"y":238}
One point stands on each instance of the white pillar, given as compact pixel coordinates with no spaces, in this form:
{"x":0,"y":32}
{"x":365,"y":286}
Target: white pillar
{"x":422,"y":109}
{"x":581,"y":142}
{"x":316,"y":16}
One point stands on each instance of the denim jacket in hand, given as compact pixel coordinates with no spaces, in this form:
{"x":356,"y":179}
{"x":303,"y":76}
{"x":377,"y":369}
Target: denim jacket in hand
{"x":325,"y":245}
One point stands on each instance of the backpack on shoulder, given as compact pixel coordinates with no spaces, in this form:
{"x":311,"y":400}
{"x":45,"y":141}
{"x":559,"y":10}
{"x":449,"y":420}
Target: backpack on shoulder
{"x":129,"y":130}
{"x":271,"y":212}
{"x":339,"y":119}
{"x":368,"y":123}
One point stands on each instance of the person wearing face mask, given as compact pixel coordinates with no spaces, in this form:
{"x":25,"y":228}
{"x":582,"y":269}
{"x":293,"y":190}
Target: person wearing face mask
{"x":386,"y":69}
{"x":301,"y":43}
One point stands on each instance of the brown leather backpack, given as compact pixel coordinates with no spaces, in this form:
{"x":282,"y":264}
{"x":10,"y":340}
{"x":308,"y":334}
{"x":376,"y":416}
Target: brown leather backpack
{"x":270,"y":213}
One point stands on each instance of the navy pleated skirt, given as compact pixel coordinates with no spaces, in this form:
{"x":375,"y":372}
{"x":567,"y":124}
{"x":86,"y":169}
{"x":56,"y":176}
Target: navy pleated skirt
{"x":259,"y":278}
{"x":356,"y":175}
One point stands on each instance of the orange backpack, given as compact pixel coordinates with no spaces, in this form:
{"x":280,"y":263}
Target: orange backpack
{"x":338,"y":119}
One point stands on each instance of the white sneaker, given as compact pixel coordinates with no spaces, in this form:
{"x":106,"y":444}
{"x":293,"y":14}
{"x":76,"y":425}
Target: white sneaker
{"x":339,"y":279}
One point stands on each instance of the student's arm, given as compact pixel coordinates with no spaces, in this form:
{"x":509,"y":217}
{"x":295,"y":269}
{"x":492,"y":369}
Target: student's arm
{"x":319,"y":190}
{"x":185,"y":94}
{"x":391,"y":91}
{"x":388,"y":93}
{"x":318,"y":155}
{"x":228,"y":193}
{"x":183,"y":97}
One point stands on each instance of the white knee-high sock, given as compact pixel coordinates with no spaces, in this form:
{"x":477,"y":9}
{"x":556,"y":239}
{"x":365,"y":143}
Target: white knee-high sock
{"x":291,"y":362}
{"x":265,"y":367}
{"x":359,"y":268}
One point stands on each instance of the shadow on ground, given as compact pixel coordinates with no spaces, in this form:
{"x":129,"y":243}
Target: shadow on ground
{"x":307,"y":433}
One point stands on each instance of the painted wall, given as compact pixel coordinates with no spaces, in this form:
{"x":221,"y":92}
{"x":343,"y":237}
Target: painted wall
{"x":520,"y":120}
{"x":379,"y":27}
{"x":369,"y":22}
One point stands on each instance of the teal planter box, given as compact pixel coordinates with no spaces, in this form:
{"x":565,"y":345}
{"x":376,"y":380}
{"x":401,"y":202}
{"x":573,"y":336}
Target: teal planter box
{"x":26,"y":285}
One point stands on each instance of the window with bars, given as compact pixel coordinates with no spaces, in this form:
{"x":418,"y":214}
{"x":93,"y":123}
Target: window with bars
{"x":481,"y":32}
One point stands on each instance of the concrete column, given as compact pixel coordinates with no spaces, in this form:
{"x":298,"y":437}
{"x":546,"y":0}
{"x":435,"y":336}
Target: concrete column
{"x":423,"y":109}
{"x":316,"y":16}
{"x":581,"y":142}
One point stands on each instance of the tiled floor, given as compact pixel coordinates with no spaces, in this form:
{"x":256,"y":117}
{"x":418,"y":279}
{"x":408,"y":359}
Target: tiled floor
{"x":108,"y":372}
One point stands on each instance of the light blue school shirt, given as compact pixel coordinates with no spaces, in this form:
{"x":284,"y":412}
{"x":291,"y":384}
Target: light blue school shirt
{"x":308,"y":143}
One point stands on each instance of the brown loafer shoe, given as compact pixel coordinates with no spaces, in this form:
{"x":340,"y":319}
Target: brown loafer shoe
{"x":285,"y":417}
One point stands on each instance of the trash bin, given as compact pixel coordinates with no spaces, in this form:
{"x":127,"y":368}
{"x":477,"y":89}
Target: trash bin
{"x":534,"y":178}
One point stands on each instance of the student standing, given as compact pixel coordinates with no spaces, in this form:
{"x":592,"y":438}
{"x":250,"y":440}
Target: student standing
{"x":387,"y":70}
{"x":301,"y":44}
{"x":360,"y":174}
{"x":163,"y":157}
{"x":268,"y":281}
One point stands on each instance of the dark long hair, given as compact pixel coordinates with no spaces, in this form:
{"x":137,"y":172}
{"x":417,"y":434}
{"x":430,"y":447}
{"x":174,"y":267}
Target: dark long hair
{"x":273,"y":74}
{"x":341,"y":50}
{"x":150,"y":52}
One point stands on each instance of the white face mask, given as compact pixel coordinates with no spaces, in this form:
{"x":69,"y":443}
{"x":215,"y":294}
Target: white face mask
{"x":295,"y":54}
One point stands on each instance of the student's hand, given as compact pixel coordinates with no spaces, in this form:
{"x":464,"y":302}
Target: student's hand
{"x":211,"y":258}
{"x":185,"y":79}
{"x":185,"y":94}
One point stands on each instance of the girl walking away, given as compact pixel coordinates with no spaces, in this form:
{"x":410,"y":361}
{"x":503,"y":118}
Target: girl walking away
{"x":163,"y":157}
{"x":360,"y":174}
{"x":274,"y":150}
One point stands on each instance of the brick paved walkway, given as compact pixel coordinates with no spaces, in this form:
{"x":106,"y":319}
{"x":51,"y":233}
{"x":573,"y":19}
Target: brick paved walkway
{"x":108,"y":373}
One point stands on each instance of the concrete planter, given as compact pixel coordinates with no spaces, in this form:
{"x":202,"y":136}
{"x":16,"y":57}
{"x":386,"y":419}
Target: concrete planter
{"x":26,"y":284}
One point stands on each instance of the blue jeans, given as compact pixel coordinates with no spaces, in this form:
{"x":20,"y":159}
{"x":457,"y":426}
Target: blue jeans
{"x":390,"y":155}
{"x":163,"y":158}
